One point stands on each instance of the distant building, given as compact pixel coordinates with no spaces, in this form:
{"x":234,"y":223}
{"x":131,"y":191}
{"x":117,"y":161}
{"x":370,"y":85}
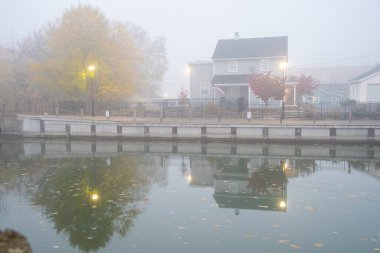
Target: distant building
{"x":232,"y":62}
{"x":334,"y":82}
{"x":366,"y":87}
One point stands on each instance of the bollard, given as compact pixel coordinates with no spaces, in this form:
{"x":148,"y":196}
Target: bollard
{"x":249,"y":117}
{"x":161,"y":114}
{"x":349,"y":116}
{"x":81,"y":112}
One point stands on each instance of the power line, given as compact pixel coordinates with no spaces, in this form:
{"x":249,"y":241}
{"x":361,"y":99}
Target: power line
{"x":342,"y":60}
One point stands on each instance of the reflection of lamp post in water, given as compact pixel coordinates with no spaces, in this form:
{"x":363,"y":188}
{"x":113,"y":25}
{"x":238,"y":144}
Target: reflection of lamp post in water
{"x":91,"y":69}
{"x":283,"y":67}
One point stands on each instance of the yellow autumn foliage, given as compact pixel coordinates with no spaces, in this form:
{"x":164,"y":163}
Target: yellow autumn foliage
{"x":83,"y":36}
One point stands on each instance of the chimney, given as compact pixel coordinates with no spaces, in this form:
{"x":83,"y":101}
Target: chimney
{"x":236,"y":35}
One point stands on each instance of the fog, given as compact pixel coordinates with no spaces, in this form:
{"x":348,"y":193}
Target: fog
{"x":321,"y":33}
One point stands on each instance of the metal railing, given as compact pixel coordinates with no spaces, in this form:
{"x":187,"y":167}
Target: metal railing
{"x":198,"y":108}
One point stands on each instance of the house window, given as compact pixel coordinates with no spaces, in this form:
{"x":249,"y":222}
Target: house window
{"x":232,"y":66}
{"x":264,"y":65}
{"x":205,"y":87}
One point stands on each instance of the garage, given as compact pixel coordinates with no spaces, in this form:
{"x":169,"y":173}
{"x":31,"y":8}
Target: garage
{"x":373,"y":92}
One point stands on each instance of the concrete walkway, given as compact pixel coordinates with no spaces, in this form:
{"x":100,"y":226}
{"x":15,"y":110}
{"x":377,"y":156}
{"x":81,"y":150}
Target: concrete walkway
{"x":223,"y":121}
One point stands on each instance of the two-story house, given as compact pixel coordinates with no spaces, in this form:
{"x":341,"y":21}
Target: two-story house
{"x":233,"y":61}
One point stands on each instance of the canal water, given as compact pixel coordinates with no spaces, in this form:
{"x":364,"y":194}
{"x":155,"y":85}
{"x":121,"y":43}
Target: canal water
{"x":196,"y":197}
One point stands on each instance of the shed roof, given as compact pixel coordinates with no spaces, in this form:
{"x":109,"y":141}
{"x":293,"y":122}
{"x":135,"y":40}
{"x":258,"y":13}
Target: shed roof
{"x":229,"y":79}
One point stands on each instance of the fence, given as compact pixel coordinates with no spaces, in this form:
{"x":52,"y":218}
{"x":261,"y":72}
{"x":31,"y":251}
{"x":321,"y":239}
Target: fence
{"x":199,"y":108}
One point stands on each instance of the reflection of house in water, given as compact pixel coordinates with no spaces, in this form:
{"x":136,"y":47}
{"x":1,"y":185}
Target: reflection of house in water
{"x":241,"y":183}
{"x":260,"y":183}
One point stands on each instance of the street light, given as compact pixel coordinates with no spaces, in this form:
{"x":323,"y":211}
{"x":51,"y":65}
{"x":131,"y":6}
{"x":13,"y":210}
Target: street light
{"x":283,"y":66}
{"x":91,"y":69}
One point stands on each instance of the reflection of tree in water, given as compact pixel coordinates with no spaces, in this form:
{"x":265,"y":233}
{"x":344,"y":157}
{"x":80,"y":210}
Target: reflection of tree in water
{"x":305,"y":166}
{"x":359,"y":165}
{"x":266,"y":178}
{"x":66,"y":197}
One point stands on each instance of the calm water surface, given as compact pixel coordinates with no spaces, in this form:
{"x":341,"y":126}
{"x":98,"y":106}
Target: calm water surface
{"x":104,"y":201}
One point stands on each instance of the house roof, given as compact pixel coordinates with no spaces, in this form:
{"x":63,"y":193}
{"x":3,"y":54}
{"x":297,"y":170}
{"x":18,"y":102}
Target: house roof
{"x":199,"y":62}
{"x":334,"y":88}
{"x":370,"y":72}
{"x":251,"y":48}
{"x":229,"y":79}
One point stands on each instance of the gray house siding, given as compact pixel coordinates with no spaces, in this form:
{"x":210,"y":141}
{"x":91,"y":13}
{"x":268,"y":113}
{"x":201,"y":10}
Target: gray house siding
{"x":248,"y":66}
{"x":199,"y":72}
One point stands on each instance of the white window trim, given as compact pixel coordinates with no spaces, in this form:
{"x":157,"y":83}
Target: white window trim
{"x":204,"y":82}
{"x":233,"y":66}
{"x":266,"y":63}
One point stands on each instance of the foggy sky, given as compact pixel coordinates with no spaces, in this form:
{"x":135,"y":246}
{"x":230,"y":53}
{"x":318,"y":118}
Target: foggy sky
{"x":321,"y":33}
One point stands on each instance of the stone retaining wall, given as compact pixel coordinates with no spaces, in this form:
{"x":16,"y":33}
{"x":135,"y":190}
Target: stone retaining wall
{"x":55,"y":127}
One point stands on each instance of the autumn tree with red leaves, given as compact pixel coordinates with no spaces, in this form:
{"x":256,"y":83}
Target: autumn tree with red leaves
{"x":306,"y":85}
{"x":266,"y":87}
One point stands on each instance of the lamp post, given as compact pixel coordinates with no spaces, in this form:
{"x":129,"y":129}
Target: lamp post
{"x":91,"y":69}
{"x":283,"y":66}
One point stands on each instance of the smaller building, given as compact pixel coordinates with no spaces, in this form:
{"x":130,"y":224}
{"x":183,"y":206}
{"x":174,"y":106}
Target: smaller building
{"x":366,"y":87}
{"x":200,"y":80}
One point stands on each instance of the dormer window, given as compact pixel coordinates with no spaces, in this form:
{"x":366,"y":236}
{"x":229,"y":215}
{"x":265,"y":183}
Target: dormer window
{"x":264,"y":65}
{"x":232,"y":66}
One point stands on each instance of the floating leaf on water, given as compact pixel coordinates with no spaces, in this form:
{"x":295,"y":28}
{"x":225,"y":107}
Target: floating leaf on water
{"x":90,"y":238}
{"x":56,"y":247}
{"x":377,"y":249}
{"x":275,"y":225}
{"x":250,"y":236}
{"x":283,"y":234}
{"x":374,"y":240}
{"x":294,"y":246}
{"x":181,"y":227}
{"x":282,"y":241}
{"x":310,"y":209}
{"x":318,"y":245}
